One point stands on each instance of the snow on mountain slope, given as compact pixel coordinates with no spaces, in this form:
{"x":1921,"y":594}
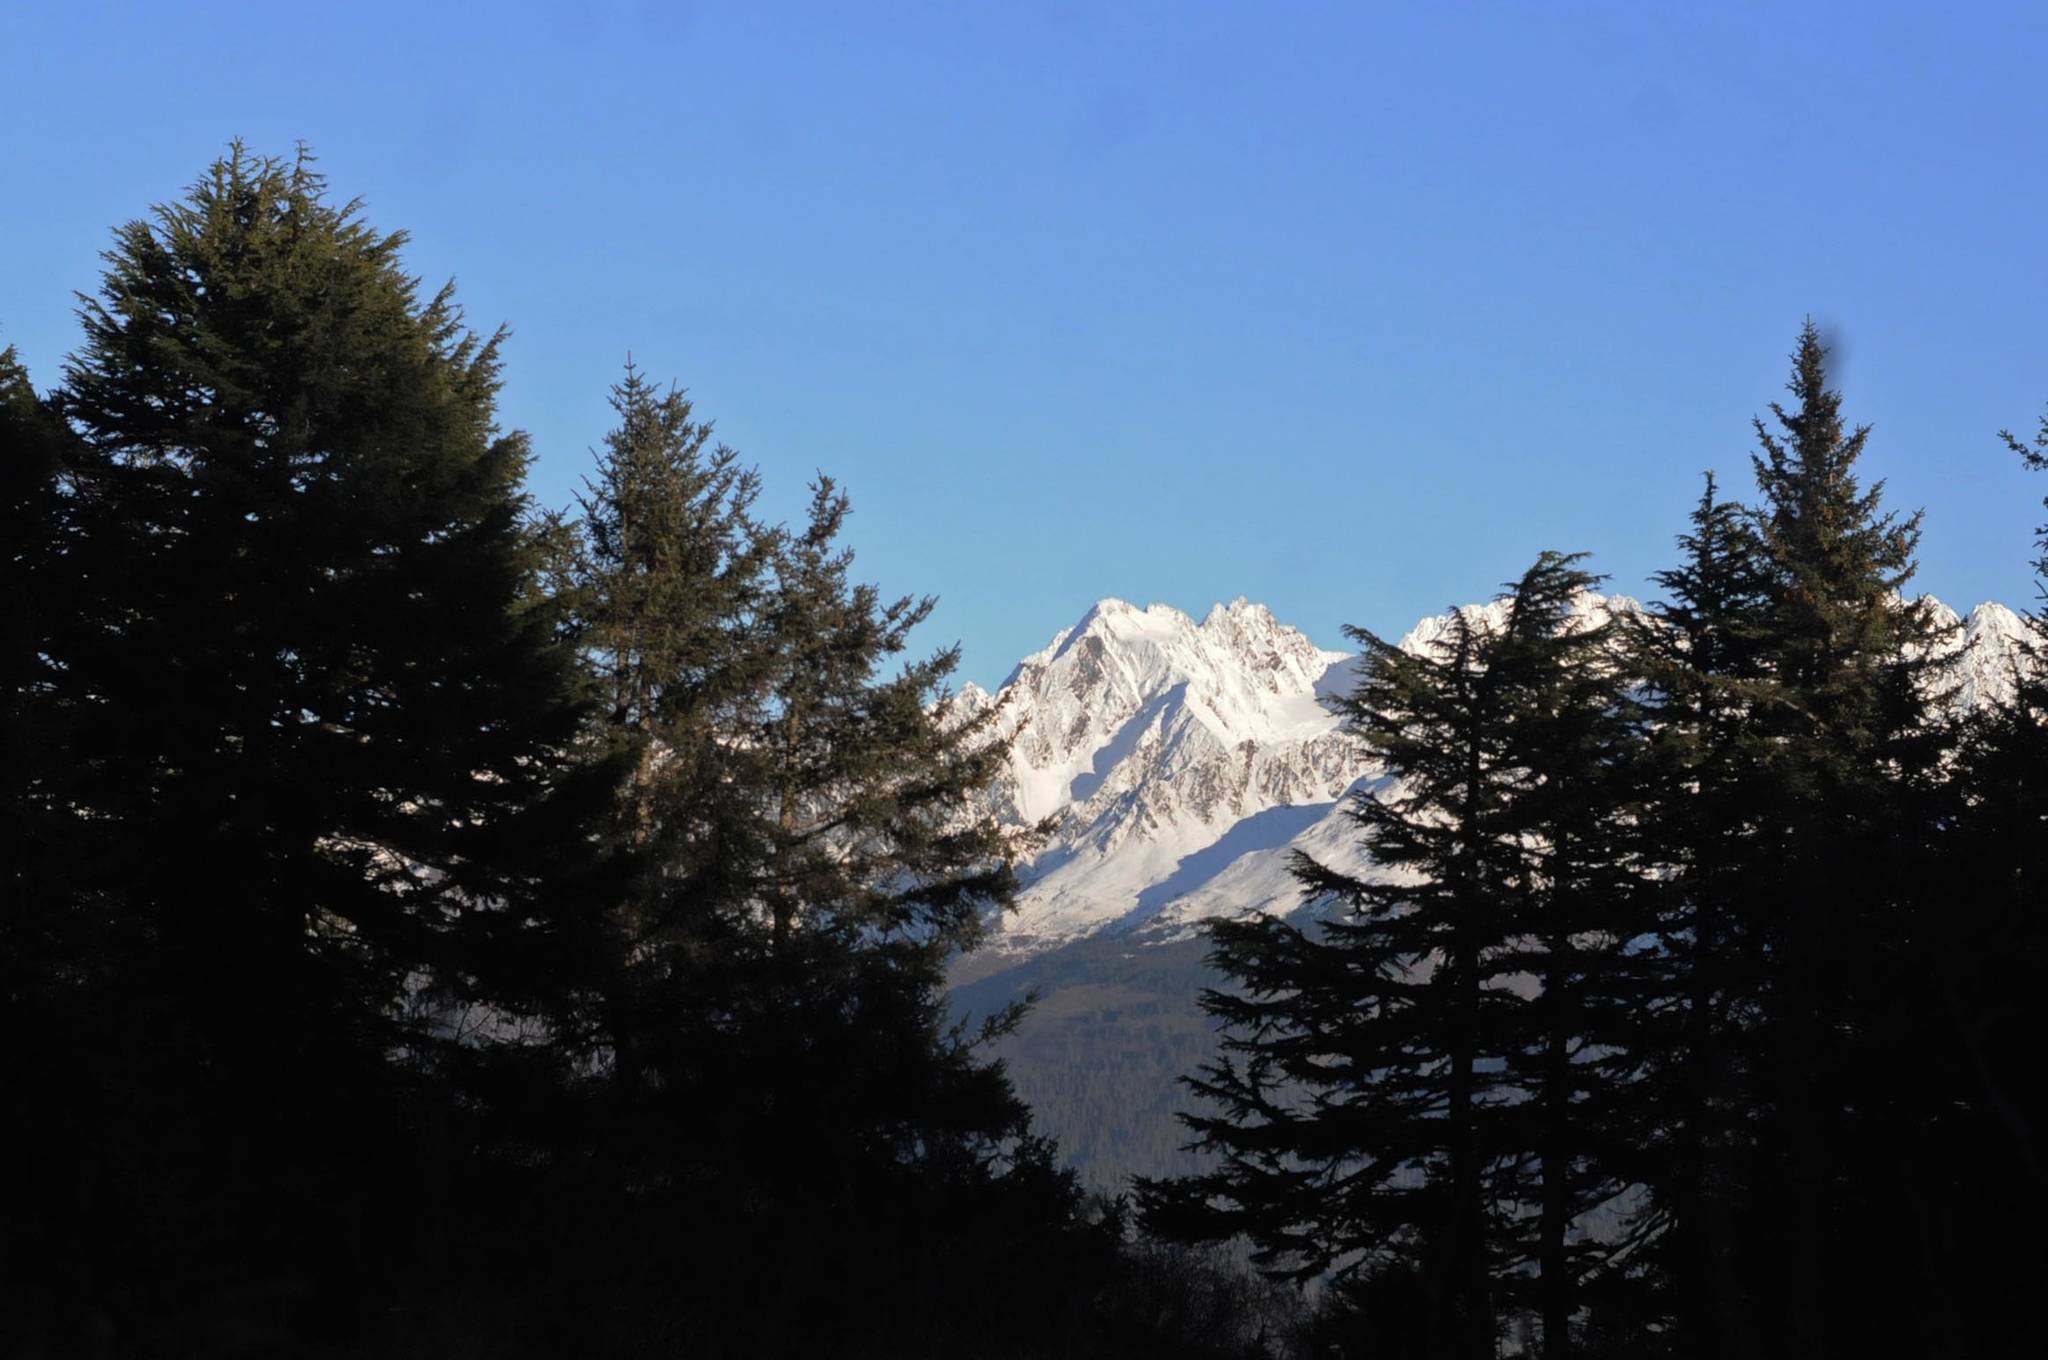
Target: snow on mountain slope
{"x":1987,"y":653}
{"x":1163,"y":749}
{"x":1180,"y":762}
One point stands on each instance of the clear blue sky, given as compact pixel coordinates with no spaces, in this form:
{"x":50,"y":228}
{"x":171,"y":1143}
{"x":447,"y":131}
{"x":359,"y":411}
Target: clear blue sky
{"x":1348,"y":308}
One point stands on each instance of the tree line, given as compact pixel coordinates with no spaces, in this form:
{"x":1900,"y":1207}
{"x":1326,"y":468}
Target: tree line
{"x":1688,"y":1009}
{"x":436,"y":925}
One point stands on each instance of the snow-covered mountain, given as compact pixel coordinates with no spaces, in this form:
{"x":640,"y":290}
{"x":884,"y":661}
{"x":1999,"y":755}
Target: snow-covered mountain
{"x":1179,"y":762}
{"x":1164,"y":750}
{"x":1988,"y":653}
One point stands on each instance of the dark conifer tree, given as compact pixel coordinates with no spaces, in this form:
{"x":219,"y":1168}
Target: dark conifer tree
{"x":1578,"y":900}
{"x":1845,"y":817}
{"x":321,"y":717}
{"x":1980,"y":1033}
{"x":1387,"y":1097}
{"x":797,"y":848}
{"x":883,"y":864}
{"x":42,"y":610}
{"x":665,"y":584}
{"x":49,"y":922}
{"x":1697,"y":653}
{"x":1359,"y":1062}
{"x":29,"y":462}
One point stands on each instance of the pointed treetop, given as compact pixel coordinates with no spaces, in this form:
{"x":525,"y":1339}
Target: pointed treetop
{"x":1817,"y":518}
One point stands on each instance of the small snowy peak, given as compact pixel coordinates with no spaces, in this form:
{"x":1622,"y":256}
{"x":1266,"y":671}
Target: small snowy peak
{"x":1112,"y":620}
{"x":1938,"y":613}
{"x":1241,"y":668}
{"x":1588,"y":609}
{"x":1238,"y":609}
{"x":1486,"y":618}
{"x":1996,"y":648}
{"x":1982,"y":655}
{"x":1992,"y":620}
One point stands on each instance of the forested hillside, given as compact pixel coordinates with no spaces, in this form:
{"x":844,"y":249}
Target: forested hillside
{"x":1100,"y":1058}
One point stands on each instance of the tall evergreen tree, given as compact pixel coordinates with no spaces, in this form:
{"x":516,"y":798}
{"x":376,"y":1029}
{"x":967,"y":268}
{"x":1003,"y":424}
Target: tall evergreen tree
{"x":1359,"y":1063}
{"x":796,"y":849}
{"x":1846,"y":816}
{"x":1998,"y":1031}
{"x":36,"y":533}
{"x":29,"y":462}
{"x":1389,"y":1096}
{"x":1579,"y":894}
{"x":48,"y":923}
{"x":883,"y":864}
{"x":665,"y":588}
{"x":1698,"y":653}
{"x":322,"y":712}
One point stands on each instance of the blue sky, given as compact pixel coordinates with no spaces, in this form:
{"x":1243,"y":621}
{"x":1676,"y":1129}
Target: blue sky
{"x":1348,"y":308}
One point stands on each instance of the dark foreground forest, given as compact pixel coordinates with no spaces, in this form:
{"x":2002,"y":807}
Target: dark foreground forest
{"x":441,"y":926}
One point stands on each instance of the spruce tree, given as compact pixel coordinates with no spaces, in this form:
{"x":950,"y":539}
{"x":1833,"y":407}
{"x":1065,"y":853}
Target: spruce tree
{"x":43,"y":610}
{"x":1845,"y":810}
{"x":883,"y":865}
{"x":50,"y":923}
{"x":1388,"y":1096}
{"x":1578,"y":903}
{"x":1698,"y":655}
{"x":794,"y":851}
{"x":1359,"y":1063}
{"x":666,"y":578}
{"x":323,"y":714}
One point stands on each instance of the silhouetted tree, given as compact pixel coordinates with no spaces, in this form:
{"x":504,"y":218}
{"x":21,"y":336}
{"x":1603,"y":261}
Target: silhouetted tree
{"x":317,"y":717}
{"x":1578,"y":905}
{"x":1846,"y":819}
{"x":1977,"y":1032}
{"x":664,"y":587}
{"x":1394,"y":1087}
{"x":42,"y":613}
{"x":798,"y":847}
{"x":49,"y":922}
{"x":1698,"y":654}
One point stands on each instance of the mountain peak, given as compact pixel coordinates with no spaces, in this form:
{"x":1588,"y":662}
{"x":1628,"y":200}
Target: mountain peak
{"x":1181,"y":762}
{"x":1243,"y":620}
{"x":1239,"y":608}
{"x":1994,"y":617}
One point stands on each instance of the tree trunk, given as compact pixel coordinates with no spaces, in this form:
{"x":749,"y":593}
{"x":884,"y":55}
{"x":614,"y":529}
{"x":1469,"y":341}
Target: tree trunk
{"x":1803,"y":1148}
{"x":1553,"y":1266}
{"x":1469,"y":1327}
{"x":1717,"y":1304}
